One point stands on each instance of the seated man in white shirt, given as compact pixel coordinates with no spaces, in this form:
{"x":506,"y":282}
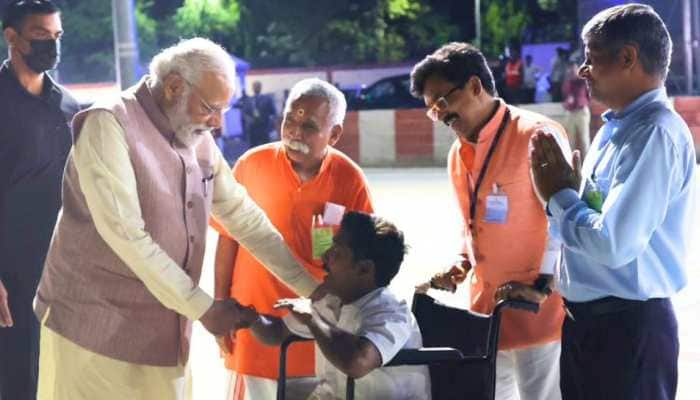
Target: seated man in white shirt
{"x":360,"y":325}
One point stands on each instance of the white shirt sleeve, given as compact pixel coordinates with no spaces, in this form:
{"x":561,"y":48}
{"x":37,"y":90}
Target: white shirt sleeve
{"x":107,"y":180}
{"x":249,"y":225}
{"x":387,"y":326}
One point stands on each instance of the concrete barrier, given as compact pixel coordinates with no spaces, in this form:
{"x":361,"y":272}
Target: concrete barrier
{"x":689,"y":109}
{"x":384,"y":138}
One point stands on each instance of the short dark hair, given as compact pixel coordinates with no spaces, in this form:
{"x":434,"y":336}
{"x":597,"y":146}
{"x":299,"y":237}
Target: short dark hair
{"x":455,"y":62}
{"x":636,"y":24}
{"x":374,"y":238}
{"x":16,"y":11}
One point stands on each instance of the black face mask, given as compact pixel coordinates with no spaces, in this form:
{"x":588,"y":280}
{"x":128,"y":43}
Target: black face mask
{"x":44,"y":55}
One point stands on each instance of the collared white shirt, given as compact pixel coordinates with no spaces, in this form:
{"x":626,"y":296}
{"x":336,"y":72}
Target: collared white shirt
{"x":386,"y":322}
{"x":635,"y":247}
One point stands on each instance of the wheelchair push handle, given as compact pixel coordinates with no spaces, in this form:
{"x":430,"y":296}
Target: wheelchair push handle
{"x":518,"y":305}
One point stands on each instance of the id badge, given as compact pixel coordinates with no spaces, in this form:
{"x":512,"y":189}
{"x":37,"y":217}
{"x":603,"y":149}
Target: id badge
{"x":321,"y":238}
{"x":496,"y":207}
{"x":593,"y":195}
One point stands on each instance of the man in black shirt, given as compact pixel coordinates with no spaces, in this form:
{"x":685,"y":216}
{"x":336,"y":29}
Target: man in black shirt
{"x":35,"y":140}
{"x":259,"y":115}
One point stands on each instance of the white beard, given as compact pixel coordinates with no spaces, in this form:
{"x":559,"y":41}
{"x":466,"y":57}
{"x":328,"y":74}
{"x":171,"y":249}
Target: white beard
{"x":186,"y":132}
{"x":190,"y":135}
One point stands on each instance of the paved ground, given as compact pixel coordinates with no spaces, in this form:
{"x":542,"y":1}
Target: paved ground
{"x":419,"y":202}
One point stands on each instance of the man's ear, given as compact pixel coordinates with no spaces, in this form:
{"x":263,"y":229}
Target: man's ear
{"x":474,"y":85}
{"x":336,"y":133}
{"x":629,"y":56}
{"x":366,"y":268}
{"x":173,"y":87}
{"x":10,"y":35}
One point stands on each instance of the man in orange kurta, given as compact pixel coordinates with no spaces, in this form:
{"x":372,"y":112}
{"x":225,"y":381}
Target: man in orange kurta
{"x":505,"y":226}
{"x":292,"y":181}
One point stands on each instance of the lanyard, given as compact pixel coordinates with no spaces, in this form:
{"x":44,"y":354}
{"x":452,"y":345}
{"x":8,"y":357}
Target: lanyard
{"x":482,"y":173}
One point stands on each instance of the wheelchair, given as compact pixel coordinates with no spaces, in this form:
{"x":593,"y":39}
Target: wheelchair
{"x":460,"y":349}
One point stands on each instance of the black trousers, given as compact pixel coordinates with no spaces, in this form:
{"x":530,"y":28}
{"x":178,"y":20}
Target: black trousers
{"x":19,"y":345}
{"x":620,"y":350}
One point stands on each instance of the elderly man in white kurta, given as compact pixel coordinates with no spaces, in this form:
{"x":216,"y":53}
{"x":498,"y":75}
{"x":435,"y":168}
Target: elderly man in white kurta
{"x":120,"y":285}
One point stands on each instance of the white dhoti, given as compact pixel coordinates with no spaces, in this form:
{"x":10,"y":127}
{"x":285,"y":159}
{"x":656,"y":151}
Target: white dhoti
{"x":70,"y":372}
{"x":246,"y":387}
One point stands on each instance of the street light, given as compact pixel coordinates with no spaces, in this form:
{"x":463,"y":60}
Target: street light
{"x":126,"y":50}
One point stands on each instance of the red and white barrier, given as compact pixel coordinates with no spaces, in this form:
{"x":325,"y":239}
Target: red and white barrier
{"x":408,"y":137}
{"x":689,"y":109}
{"x":394,"y":137}
{"x":404,"y":137}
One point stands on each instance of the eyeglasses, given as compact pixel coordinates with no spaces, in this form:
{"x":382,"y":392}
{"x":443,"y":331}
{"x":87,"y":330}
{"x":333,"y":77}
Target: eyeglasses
{"x":207,"y":109}
{"x":440,"y":104}
{"x":34,"y":2}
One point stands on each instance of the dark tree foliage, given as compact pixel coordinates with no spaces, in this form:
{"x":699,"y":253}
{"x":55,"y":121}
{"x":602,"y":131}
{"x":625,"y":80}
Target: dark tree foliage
{"x":298,"y":33}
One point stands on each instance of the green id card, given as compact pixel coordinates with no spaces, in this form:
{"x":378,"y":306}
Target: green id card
{"x":592,"y":195}
{"x":594,"y":199}
{"x":321,"y":240}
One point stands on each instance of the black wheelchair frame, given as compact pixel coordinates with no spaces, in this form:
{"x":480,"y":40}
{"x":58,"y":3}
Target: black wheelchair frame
{"x":445,"y":384}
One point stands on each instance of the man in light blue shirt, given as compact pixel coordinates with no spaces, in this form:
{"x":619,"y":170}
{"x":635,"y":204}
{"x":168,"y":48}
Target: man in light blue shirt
{"x":623,"y":217}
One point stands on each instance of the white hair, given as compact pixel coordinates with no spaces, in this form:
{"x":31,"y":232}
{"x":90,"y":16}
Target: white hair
{"x":317,"y":87}
{"x":190,"y":58}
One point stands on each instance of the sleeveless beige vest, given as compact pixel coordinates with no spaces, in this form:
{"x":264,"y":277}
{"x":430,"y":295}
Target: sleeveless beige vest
{"x":95,"y":299}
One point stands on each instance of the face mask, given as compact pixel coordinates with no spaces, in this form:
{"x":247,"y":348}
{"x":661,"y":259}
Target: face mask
{"x":44,"y":55}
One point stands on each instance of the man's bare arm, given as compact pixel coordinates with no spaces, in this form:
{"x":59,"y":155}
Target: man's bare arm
{"x":226,"y":250}
{"x":354,"y":355}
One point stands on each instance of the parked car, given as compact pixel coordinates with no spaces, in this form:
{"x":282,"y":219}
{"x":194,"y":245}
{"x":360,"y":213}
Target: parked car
{"x":351,"y":92}
{"x":386,"y":93}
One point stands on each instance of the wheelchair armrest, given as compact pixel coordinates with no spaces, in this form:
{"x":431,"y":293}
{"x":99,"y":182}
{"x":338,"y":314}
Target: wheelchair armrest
{"x":425,"y":355}
{"x":292,"y":339}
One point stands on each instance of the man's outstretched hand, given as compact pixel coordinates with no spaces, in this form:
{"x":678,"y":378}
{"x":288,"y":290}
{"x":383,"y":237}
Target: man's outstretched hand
{"x":520,"y":291}
{"x":299,"y":308}
{"x":447,"y":280}
{"x":225,"y":316}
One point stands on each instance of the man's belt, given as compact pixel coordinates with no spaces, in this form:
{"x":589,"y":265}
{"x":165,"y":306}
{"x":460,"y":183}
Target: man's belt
{"x":598,"y":307}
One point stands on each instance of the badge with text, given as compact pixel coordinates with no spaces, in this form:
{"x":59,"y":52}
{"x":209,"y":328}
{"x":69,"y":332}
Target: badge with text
{"x":593,"y":195}
{"x":496,"y":206}
{"x":321,"y":237}
{"x":333,"y":213}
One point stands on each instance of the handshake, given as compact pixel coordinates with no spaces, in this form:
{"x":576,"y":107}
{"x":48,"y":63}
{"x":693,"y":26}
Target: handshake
{"x":226,"y":316}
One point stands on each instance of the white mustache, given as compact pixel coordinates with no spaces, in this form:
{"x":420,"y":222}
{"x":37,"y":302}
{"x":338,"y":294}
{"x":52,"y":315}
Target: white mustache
{"x":297,"y":146}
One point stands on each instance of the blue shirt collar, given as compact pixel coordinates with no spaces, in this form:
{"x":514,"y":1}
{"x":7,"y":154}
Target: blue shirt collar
{"x":648,"y":97}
